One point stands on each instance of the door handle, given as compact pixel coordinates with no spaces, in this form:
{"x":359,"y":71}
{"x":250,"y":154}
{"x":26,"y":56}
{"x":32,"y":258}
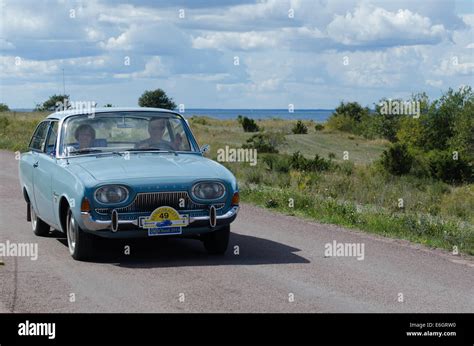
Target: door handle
{"x":35,"y":164}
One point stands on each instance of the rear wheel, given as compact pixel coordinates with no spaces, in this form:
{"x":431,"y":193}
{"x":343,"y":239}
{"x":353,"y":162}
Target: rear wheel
{"x":40,"y":228}
{"x":216,"y":242}
{"x":79,"y":242}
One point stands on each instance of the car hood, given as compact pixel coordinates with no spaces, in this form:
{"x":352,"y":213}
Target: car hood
{"x":151,"y":165}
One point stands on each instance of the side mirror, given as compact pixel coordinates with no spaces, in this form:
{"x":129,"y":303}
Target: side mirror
{"x":205,"y":149}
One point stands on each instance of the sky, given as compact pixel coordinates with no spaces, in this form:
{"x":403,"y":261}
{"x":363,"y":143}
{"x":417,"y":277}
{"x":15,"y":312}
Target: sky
{"x":234,"y":54}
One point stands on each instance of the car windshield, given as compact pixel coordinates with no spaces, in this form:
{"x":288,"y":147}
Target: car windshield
{"x":124,"y":131}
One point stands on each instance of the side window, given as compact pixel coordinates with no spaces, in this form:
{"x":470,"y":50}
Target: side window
{"x":52,"y":136}
{"x":39,"y":137}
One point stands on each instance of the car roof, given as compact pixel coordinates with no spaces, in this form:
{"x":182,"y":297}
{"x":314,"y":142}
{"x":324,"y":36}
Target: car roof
{"x":67,"y":113}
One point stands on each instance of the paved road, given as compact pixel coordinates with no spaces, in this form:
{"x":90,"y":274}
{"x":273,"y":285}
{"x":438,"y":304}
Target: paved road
{"x":280,"y":257}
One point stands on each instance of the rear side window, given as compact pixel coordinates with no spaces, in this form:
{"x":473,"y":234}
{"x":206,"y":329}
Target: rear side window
{"x":39,"y":137}
{"x":53,"y":135}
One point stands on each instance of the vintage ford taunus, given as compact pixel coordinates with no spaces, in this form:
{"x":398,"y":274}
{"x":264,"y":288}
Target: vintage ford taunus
{"x":125,"y":173}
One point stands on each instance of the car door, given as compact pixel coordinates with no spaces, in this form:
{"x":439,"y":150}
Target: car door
{"x":30,"y":159}
{"x":43,"y":170}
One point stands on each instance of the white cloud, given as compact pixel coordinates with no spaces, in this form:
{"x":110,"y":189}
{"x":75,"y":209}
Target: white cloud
{"x":369,"y":25}
{"x":456,"y":66}
{"x":434,"y":83}
{"x":235,"y":40}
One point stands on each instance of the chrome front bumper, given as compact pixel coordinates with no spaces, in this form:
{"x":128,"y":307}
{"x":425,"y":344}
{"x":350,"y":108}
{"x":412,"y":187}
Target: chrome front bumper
{"x":96,"y":225}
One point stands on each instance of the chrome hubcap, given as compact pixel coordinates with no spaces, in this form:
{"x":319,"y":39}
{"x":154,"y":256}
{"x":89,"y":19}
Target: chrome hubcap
{"x":71,"y":233}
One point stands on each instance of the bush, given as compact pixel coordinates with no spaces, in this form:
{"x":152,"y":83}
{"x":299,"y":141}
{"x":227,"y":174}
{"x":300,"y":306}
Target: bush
{"x":248,"y":124}
{"x":411,"y":132}
{"x":300,"y":163}
{"x":265,"y":142}
{"x":299,"y":128}
{"x":271,"y":203}
{"x":353,"y":110}
{"x":341,"y":122}
{"x":277,"y":163}
{"x":4,"y":107}
{"x":445,"y":167}
{"x":319,"y":127}
{"x":397,"y":160}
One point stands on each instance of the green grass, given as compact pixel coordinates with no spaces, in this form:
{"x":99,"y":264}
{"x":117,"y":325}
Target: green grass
{"x":360,"y":150}
{"x":416,"y":227}
{"x":354,"y":195}
{"x":16,"y":129}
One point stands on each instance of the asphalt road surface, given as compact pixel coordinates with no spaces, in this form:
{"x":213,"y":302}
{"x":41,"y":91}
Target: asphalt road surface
{"x":280,"y":267}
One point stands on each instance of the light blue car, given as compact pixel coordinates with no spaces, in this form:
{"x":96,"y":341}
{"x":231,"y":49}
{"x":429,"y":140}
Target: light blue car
{"x":125,"y":173}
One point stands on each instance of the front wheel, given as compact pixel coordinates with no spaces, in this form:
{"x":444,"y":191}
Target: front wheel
{"x":40,"y":228}
{"x":79,"y":242}
{"x":216,"y":242}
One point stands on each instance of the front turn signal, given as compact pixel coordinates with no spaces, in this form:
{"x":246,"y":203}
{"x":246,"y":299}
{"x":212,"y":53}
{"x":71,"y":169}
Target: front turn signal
{"x":85,"y":205}
{"x":235,"y":199}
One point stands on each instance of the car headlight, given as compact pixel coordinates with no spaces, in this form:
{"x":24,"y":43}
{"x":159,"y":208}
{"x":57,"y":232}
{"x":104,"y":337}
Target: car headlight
{"x":111,"y":194}
{"x":208,"y":190}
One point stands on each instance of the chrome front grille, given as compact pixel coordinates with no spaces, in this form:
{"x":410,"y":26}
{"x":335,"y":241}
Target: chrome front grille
{"x":149,"y":201}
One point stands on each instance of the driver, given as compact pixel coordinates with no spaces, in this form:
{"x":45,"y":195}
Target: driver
{"x":156,"y":129}
{"x":85,"y":135}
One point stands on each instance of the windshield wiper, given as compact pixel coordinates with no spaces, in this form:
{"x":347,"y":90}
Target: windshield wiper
{"x":85,"y":151}
{"x":153,"y":149}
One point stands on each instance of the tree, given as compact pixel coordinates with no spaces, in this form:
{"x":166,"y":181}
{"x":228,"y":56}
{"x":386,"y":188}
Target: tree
{"x":352,"y":109}
{"x":299,"y":128}
{"x":156,"y":99}
{"x":55,"y":103}
{"x":248,"y":124}
{"x":397,"y":160}
{"x":4,"y":107}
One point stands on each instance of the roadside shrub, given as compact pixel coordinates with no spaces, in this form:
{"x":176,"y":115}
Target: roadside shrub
{"x":248,"y":124}
{"x":445,"y":167}
{"x":300,"y":163}
{"x":397,"y":160}
{"x":299,"y":128}
{"x":265,"y":142}
{"x":319,"y":127}
{"x":459,"y":202}
{"x":253,"y":176}
{"x":347,"y":167}
{"x":277,"y":163}
{"x":3,"y":124}
{"x":420,"y":166}
{"x":271,"y":203}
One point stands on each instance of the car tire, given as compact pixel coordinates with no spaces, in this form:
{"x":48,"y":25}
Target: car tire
{"x":40,"y":228}
{"x":216,"y":242}
{"x":80,"y":243}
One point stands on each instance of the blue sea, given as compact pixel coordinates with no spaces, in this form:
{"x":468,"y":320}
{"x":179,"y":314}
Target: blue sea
{"x":317,"y":115}
{"x":300,"y":114}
